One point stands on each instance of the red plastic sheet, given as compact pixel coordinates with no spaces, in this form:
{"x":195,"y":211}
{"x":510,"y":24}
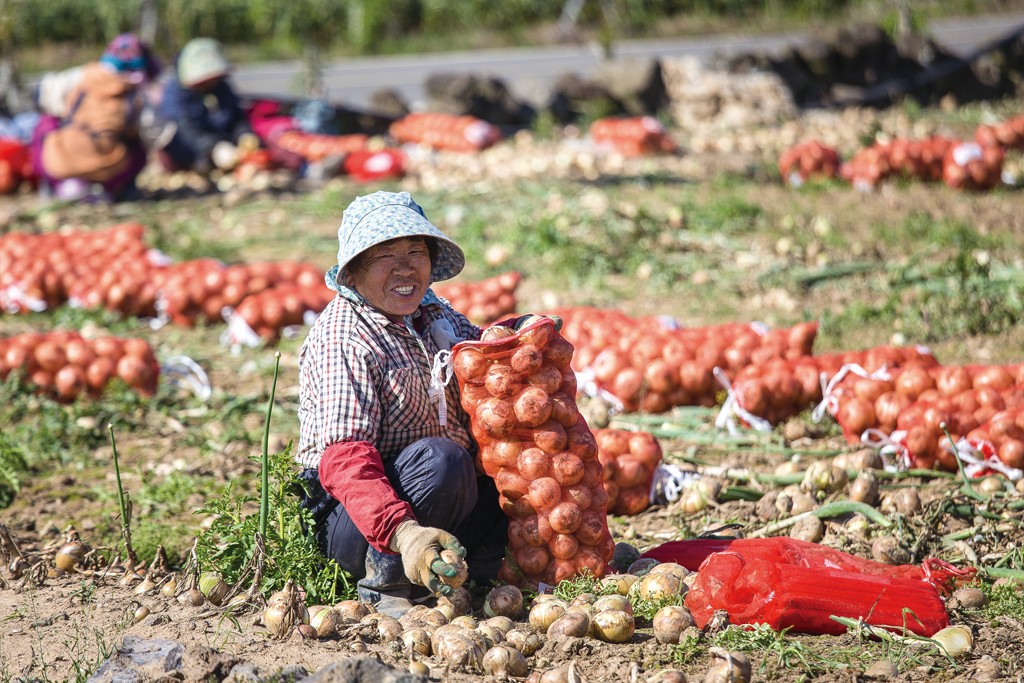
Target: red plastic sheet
{"x":787,"y":583}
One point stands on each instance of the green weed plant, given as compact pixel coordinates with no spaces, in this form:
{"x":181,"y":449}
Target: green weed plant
{"x":290,"y":546}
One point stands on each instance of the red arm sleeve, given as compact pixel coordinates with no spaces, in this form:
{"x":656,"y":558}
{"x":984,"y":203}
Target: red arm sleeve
{"x":352,"y":473}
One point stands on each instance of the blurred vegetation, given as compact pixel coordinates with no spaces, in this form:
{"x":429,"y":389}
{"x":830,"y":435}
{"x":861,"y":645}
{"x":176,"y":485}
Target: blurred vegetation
{"x":277,"y":28}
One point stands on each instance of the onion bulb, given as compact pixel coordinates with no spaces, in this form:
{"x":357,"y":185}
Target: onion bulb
{"x":465,"y":621}
{"x":129,"y":578}
{"x":524,"y":640}
{"x":619,"y":602}
{"x":460,"y":600}
{"x":324,"y":620}
{"x":351,"y":611}
{"x":504,"y":601}
{"x":170,"y":587}
{"x":822,"y":478}
{"x":495,"y":332}
{"x":656,"y":587}
{"x":491,"y":635}
{"x":501,"y":623}
{"x":284,"y":612}
{"x":542,"y":614}
{"x":865,"y":488}
{"x":388,"y":628}
{"x":461,"y":569}
{"x":573,"y":623}
{"x":620,"y":582}
{"x":417,"y":640}
{"x":213,"y":587}
{"x":69,"y":555}
{"x":642,"y":566}
{"x":147,"y":584}
{"x":193,"y":597}
{"x":459,"y":647}
{"x":613,"y":626}
{"x":810,"y":529}
{"x":502,"y":660}
{"x":670,"y":622}
{"x":674,"y":568}
{"x":956,"y":641}
{"x":729,"y":667}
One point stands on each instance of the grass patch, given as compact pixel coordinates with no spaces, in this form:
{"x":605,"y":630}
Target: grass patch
{"x":291,"y":551}
{"x":1004,"y":600}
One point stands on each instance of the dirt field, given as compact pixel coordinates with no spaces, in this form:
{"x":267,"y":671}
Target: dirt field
{"x":706,"y":238}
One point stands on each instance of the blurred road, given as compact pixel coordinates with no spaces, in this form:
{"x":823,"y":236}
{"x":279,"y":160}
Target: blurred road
{"x":529,"y":72}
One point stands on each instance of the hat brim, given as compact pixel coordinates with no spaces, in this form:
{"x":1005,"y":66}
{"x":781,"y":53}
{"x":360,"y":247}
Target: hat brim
{"x":404,"y":222}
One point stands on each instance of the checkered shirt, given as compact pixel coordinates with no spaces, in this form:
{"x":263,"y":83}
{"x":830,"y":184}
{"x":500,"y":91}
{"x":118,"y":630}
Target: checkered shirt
{"x":363,"y":377}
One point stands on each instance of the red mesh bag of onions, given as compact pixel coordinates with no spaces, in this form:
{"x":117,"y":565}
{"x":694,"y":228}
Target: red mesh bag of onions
{"x":629,"y":460}
{"x":520,"y":394}
{"x":787,"y":583}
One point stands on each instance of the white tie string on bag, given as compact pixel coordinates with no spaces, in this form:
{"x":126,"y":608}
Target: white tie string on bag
{"x":669,"y":482}
{"x":586,"y":381}
{"x":238,"y":332}
{"x":828,"y":399}
{"x":888,"y":445}
{"x":731,"y":409}
{"x":979,"y":458}
{"x":440,"y":375}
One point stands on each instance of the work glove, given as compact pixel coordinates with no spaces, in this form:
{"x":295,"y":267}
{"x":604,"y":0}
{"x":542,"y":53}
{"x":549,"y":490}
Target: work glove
{"x":420,"y":548}
{"x":224,"y":155}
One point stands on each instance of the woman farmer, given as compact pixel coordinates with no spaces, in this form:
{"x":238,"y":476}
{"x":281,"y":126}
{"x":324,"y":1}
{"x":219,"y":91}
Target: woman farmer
{"x":94,"y":137}
{"x":207,"y":124}
{"x":385,"y":443}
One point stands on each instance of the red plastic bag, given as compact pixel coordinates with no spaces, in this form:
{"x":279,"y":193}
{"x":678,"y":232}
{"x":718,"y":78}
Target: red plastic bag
{"x":757,"y":591}
{"x":787,"y":583}
{"x":691,"y":554}
{"x":367,"y":165}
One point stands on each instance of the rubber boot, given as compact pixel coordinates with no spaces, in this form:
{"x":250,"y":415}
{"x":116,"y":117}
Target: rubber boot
{"x":385,"y":585}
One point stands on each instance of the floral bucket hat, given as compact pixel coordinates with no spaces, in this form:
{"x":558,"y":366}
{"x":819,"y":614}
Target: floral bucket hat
{"x":375,"y":218}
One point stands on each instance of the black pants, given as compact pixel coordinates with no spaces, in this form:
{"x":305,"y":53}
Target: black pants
{"x":437,"y":478}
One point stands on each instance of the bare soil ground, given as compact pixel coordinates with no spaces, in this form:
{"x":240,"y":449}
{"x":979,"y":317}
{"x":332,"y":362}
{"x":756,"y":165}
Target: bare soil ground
{"x":63,"y":627}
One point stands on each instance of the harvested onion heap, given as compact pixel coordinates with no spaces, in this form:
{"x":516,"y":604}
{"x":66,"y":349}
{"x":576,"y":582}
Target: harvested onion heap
{"x":915,"y":159}
{"x":780,"y":388}
{"x":201,"y":288}
{"x":632,"y":136}
{"x":651,"y":367}
{"x":960,"y":164}
{"x":445,"y":131}
{"x":115,"y":269}
{"x":484,"y":301}
{"x":519,"y":391}
{"x":64,"y":365}
{"x":806,"y":160}
{"x":38,"y":272}
{"x":977,"y":403}
{"x":1008,"y":134}
{"x":629,"y":460}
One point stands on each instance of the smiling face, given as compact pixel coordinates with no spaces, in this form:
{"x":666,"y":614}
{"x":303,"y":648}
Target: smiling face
{"x":392,"y":276}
